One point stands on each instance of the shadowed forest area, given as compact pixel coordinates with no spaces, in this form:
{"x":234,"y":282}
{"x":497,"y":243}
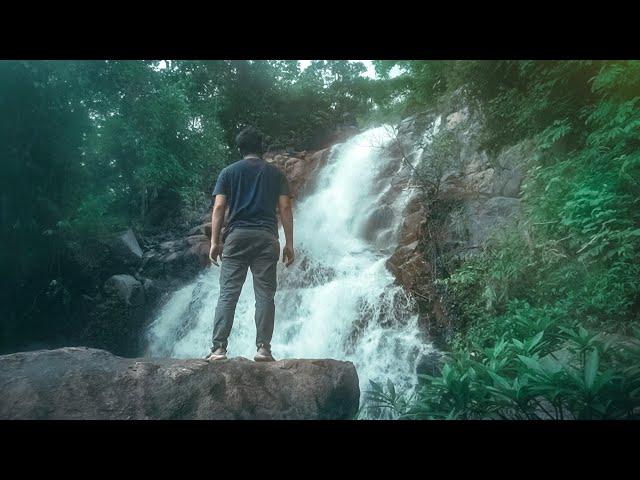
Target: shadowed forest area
{"x":91,"y":147}
{"x":541,"y":321}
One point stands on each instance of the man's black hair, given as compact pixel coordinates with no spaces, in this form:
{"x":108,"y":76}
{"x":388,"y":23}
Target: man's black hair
{"x":250,"y":140}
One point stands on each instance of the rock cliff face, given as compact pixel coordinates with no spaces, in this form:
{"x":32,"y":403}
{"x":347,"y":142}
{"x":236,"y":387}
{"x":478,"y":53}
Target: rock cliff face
{"x":461,"y":196}
{"x":82,"y":383}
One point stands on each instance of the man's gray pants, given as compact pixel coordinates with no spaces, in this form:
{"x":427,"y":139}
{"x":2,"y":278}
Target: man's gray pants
{"x":258,"y":250}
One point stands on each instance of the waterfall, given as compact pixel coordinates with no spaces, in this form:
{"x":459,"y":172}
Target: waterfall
{"x":338,"y":300}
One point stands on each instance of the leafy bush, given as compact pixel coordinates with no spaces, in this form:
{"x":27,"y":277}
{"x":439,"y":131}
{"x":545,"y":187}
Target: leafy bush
{"x":567,"y":374}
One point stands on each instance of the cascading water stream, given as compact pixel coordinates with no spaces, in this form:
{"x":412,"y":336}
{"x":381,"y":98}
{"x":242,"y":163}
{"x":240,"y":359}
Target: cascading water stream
{"x":338,"y":300}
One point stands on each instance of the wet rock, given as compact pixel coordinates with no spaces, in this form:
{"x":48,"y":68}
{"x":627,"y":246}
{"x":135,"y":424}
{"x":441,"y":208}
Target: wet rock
{"x":181,"y":260}
{"x":319,"y":158}
{"x":83,"y":383}
{"x":199,"y":254}
{"x":486,"y":216}
{"x":126,"y":288}
{"x":408,"y":265}
{"x":316,"y":161}
{"x":309,"y":274}
{"x":171,"y":245}
{"x":412,"y":227}
{"x":379,"y":219}
{"x":431,"y":363}
{"x":152,"y":288}
{"x":476,"y":194}
{"x":296,"y":170}
{"x":197,"y":239}
{"x":202,"y":229}
{"x":116,"y":322}
{"x":456,"y":118}
{"x":298,"y":167}
{"x":126,"y":247}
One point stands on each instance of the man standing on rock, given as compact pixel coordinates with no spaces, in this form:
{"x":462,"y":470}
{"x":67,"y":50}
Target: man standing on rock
{"x":252,"y":189}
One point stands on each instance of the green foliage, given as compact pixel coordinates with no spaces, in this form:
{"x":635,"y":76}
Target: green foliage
{"x":294,"y":109}
{"x":528,"y":306}
{"x":149,"y":137}
{"x":120,"y":136}
{"x":93,"y":217}
{"x":518,"y":98}
{"x":569,"y":374}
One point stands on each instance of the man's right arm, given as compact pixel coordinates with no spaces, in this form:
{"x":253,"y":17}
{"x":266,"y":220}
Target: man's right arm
{"x":220,"y":193}
{"x":286,"y":217}
{"x":217,"y":219}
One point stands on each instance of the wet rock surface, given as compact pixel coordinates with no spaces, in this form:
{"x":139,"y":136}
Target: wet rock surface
{"x":467,"y":195}
{"x":299,"y":167}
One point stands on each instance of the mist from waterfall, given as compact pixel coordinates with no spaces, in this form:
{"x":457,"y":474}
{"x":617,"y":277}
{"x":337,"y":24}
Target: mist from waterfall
{"x":338,"y":300}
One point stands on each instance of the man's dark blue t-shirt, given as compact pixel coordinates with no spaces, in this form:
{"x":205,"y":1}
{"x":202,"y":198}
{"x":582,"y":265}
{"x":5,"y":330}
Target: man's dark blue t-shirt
{"x":252,"y":187}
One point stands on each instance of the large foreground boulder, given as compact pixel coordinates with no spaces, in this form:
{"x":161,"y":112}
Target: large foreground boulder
{"x":85,"y":383}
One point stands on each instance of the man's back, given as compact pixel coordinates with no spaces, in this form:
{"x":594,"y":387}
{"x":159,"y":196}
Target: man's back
{"x":252,"y":188}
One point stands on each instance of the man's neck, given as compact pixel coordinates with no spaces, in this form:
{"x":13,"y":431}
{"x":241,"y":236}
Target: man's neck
{"x":251,"y":155}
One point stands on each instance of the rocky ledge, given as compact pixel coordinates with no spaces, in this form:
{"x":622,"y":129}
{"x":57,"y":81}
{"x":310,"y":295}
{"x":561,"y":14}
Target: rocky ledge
{"x":83,"y":383}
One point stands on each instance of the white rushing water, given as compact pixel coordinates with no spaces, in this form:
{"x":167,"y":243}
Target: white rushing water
{"x":338,"y":300}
